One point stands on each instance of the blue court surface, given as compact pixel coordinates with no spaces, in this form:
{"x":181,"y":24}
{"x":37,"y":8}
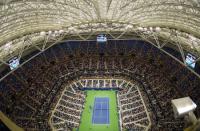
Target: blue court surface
{"x":101,"y":111}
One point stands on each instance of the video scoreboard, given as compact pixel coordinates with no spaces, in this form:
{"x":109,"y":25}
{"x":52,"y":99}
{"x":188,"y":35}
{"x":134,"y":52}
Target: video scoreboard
{"x":101,"y":38}
{"x":13,"y":63}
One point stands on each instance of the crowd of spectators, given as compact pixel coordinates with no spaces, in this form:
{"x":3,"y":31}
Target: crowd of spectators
{"x":67,"y":112}
{"x":29,"y":94}
{"x":132,"y":109}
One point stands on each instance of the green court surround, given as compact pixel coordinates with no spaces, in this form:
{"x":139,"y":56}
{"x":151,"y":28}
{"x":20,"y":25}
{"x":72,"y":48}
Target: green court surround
{"x":86,"y":118}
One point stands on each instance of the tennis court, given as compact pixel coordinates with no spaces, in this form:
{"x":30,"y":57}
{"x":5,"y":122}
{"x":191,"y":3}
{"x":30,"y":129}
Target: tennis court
{"x":101,"y":111}
{"x":89,"y":118}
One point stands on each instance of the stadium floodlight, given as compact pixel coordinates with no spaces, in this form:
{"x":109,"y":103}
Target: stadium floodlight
{"x":145,"y":29}
{"x":158,"y":29}
{"x":129,"y":26}
{"x":180,"y":7}
{"x":71,"y":28}
{"x":151,"y":28}
{"x":42,"y":33}
{"x":50,"y":32}
{"x":183,"y":106}
{"x":61,"y":31}
{"x":8,"y":45}
{"x":140,"y":28}
{"x":56,"y":32}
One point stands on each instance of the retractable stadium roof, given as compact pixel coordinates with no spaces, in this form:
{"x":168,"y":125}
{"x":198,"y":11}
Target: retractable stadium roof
{"x":38,"y":24}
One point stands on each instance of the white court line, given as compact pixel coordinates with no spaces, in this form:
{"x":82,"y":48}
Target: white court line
{"x":101,"y":110}
{"x":101,"y":115}
{"x":107,"y":111}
